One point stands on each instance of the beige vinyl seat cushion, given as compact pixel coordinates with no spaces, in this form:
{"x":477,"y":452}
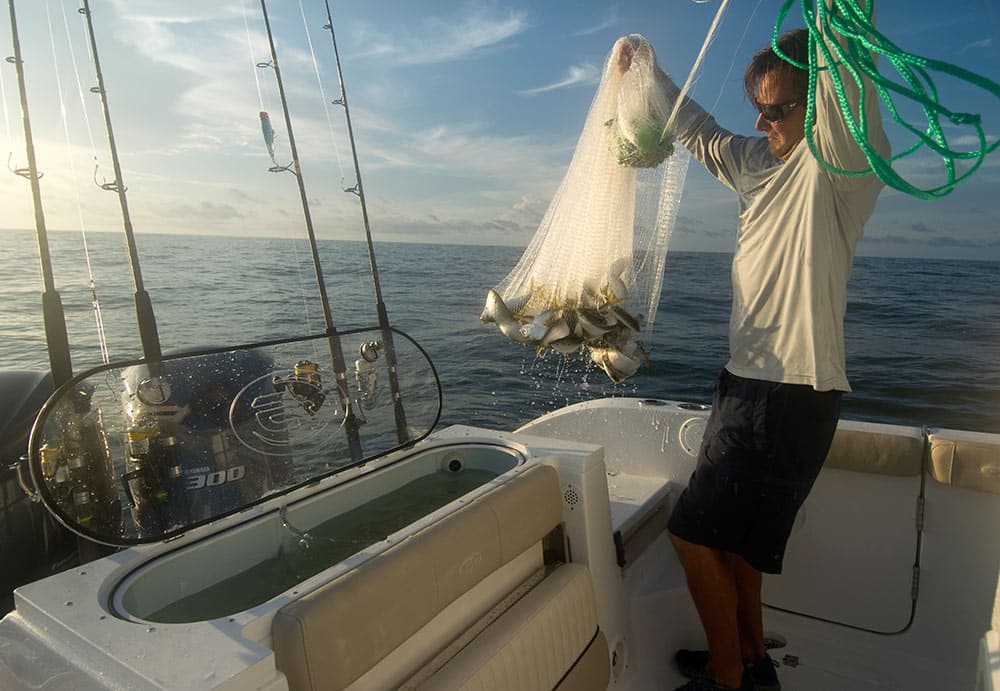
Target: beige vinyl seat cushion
{"x":536,"y":643}
{"x":966,"y":463}
{"x":330,"y":637}
{"x":868,"y":451}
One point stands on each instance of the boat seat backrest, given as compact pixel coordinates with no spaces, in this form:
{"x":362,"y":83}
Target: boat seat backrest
{"x":965,"y":463}
{"x":330,"y":637}
{"x":867,"y":451}
{"x":533,"y":644}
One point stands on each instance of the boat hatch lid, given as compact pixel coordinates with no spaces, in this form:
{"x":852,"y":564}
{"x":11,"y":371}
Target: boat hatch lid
{"x":137,"y":452}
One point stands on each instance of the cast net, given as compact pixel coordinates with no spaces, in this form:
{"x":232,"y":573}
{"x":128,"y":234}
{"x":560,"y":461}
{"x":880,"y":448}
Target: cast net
{"x":590,"y":278}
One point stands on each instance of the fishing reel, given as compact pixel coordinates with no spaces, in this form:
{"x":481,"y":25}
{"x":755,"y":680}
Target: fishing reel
{"x":154,"y":479}
{"x":77,"y":468}
{"x":365,"y":374}
{"x":304,"y":384}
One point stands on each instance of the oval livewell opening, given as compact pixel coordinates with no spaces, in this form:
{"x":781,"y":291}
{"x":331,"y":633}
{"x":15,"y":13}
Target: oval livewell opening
{"x":251,"y":563}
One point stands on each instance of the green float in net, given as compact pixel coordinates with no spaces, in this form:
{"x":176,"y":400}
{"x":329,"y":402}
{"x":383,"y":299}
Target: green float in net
{"x":855,"y":48}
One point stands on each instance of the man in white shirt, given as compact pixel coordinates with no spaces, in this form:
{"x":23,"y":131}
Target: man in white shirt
{"x":777,"y":400}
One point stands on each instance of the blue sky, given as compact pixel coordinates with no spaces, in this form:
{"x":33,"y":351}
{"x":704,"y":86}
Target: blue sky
{"x":465,"y":113}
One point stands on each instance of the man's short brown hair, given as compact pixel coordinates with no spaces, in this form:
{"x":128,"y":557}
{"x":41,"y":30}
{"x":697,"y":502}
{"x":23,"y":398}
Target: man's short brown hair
{"x":794,"y":44}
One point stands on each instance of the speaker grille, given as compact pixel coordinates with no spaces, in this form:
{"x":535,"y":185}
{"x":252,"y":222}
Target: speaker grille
{"x":571,"y":496}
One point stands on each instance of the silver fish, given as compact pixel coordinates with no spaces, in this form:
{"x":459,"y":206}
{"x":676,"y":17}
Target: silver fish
{"x":568,"y":345}
{"x":572,"y":321}
{"x":518,"y":303}
{"x":536,"y":329}
{"x":620,"y":266}
{"x":595,"y":323}
{"x":615,"y":291}
{"x":512,"y":330}
{"x":495,"y":309}
{"x":496,"y":312}
{"x":616,"y":364}
{"x":557,"y":330}
{"x":632,"y":321}
{"x":589,"y":295}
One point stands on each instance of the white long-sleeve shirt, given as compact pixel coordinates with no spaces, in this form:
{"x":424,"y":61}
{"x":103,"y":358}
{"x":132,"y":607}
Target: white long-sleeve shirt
{"x":798,"y":227}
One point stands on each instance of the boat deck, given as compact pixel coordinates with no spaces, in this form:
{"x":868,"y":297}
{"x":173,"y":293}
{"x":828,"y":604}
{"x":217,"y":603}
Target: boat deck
{"x":818,"y":656}
{"x":826,"y":657}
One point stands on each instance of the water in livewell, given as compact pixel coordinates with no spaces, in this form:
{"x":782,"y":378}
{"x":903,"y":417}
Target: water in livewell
{"x":331,"y":541}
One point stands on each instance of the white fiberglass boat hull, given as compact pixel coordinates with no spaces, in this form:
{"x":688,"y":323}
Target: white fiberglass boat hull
{"x":870,"y":599}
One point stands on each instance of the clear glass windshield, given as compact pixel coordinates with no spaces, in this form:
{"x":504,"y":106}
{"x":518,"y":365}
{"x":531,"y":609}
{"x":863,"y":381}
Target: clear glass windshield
{"x":136,"y":452}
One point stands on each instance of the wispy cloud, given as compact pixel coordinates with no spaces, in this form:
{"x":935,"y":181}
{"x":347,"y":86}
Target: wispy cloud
{"x":975,"y":45}
{"x":610,"y":19}
{"x":898,"y":241}
{"x":474,"y":31}
{"x":971,"y":140}
{"x":203,"y":211}
{"x":505,"y":226}
{"x":472,"y":150}
{"x":577,"y":75}
{"x":934,"y":25}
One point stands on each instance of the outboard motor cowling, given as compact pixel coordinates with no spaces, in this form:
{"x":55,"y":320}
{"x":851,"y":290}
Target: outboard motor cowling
{"x":185,"y":462}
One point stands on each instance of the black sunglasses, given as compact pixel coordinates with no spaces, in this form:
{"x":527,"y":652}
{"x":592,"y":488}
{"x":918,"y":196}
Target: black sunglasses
{"x":775,"y":112}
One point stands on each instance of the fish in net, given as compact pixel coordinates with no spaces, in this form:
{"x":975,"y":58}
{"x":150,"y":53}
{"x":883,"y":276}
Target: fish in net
{"x":591,"y":276}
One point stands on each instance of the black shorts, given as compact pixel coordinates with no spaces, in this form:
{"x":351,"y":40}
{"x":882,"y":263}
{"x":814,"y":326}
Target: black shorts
{"x":764,"y":445}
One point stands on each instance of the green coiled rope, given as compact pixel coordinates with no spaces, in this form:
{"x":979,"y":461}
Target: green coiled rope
{"x":856,"y":55}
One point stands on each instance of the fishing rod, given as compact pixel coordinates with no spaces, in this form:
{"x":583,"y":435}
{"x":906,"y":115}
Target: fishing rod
{"x":358,"y":189}
{"x":54,"y":318}
{"x":87,"y":426}
{"x":145,"y":319}
{"x":333,"y":338}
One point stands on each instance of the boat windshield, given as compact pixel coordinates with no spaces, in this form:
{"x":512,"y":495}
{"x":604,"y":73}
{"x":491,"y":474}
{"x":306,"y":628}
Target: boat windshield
{"x":137,"y":452}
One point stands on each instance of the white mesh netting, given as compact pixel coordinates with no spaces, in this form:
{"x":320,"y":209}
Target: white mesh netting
{"x":590,"y":279}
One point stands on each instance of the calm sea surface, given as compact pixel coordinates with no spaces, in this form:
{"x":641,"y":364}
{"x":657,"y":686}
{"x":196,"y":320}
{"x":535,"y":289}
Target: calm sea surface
{"x":923,"y":339}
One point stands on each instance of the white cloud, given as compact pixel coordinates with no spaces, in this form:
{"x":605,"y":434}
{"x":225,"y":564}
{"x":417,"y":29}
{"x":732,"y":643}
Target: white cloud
{"x":190,"y":141}
{"x":610,"y":19}
{"x":201,"y":212}
{"x":471,"y":151}
{"x":511,"y":226}
{"x":577,"y":75}
{"x":984,"y":43}
{"x":971,"y":141}
{"x":434,"y":40}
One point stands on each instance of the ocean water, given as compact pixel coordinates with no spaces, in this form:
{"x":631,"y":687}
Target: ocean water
{"x":923,"y":339}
